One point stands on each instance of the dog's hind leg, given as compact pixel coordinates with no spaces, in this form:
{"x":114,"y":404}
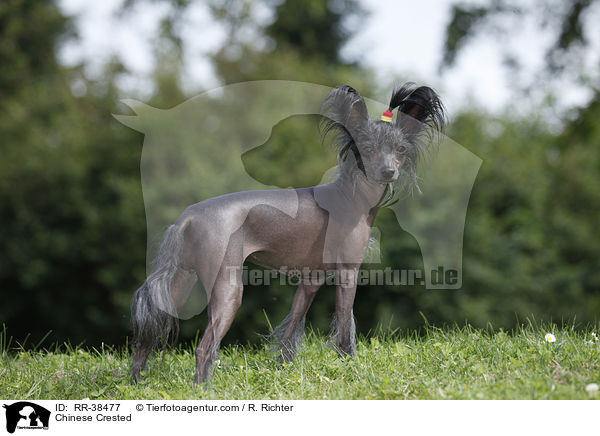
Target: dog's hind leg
{"x":139,"y":361}
{"x":226,"y":298}
{"x":223,"y":302}
{"x":290,"y":332}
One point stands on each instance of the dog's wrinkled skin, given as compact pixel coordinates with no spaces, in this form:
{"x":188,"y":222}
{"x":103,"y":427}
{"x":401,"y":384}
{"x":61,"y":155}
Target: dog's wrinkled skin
{"x":325,"y":227}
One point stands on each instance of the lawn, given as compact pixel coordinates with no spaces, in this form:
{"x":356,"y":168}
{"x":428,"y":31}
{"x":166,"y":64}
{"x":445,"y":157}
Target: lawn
{"x":449,"y":363}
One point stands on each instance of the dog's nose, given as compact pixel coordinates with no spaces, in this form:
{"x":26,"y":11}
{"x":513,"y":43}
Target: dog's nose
{"x":388,"y":173}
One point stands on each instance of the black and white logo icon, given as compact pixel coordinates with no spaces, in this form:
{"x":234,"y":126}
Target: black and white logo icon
{"x":26,"y":415}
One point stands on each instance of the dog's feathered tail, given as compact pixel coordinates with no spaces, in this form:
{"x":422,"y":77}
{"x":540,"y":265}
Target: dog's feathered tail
{"x":153,"y":313}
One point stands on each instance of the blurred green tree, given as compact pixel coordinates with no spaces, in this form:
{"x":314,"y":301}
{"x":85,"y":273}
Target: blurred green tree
{"x":567,"y":21}
{"x":326,"y":35}
{"x":70,"y":200}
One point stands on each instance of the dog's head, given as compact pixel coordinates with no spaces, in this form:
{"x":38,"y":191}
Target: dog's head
{"x":384,"y":150}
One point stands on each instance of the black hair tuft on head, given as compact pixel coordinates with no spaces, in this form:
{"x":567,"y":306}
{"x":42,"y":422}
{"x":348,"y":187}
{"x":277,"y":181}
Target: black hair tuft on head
{"x":421,"y":103}
{"x":401,"y":93}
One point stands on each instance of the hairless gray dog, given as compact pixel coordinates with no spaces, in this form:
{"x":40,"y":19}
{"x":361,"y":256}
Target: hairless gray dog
{"x":325,"y":227}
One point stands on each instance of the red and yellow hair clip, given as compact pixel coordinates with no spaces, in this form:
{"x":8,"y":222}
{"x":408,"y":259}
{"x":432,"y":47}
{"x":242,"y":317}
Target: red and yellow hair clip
{"x":387,"y":116}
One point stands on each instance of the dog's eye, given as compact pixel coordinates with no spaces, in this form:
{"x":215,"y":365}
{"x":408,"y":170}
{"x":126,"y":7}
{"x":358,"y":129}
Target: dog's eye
{"x":401,"y":149}
{"x":368,"y":149}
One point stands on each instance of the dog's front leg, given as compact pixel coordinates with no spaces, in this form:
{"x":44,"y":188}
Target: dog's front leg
{"x":291,"y":330}
{"x":344,"y":326}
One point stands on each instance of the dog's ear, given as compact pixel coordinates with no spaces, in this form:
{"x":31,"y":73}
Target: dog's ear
{"x":344,"y":111}
{"x":422,"y":109}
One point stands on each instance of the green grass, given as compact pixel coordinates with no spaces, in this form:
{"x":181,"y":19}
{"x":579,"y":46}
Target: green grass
{"x":453,"y":363}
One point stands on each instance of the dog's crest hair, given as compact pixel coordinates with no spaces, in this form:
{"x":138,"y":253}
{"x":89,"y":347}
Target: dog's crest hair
{"x":421,"y":103}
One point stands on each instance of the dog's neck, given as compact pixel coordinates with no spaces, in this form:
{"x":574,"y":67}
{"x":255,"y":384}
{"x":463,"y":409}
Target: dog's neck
{"x":361,"y":192}
{"x":350,"y":198}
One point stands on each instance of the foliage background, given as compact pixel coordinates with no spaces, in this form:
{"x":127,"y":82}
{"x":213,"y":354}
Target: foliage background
{"x":72,"y":224}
